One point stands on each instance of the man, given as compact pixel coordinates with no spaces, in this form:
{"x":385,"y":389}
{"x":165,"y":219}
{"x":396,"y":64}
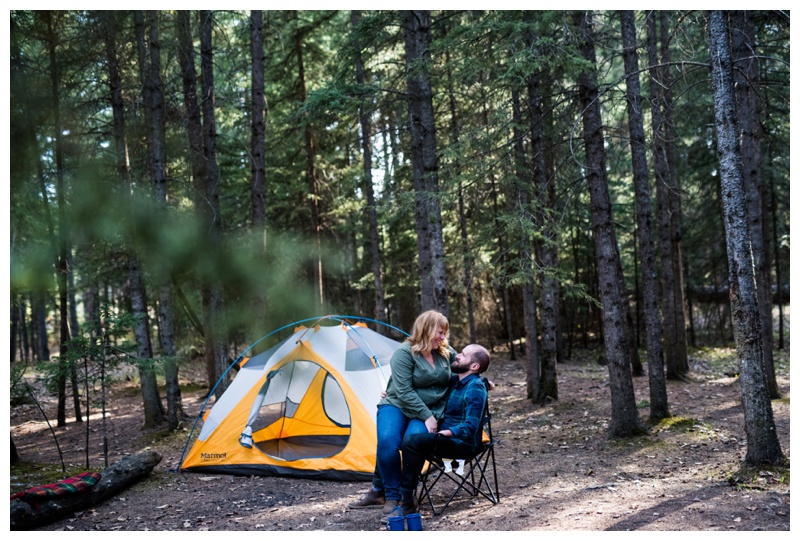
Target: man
{"x":459,"y":433}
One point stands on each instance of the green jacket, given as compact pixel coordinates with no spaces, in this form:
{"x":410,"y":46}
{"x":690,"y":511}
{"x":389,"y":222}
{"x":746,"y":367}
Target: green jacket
{"x":415,"y":387}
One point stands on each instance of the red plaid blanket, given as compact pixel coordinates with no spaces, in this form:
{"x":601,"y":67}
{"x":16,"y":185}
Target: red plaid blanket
{"x":72,"y":485}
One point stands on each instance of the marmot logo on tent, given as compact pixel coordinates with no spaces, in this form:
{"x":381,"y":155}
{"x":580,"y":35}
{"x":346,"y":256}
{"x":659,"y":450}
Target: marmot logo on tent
{"x":213,"y":456}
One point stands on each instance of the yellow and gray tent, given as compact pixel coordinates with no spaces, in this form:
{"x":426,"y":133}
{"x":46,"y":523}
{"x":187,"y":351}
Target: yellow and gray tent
{"x":310,"y":401}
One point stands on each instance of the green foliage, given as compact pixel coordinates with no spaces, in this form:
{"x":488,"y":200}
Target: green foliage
{"x":19,"y":391}
{"x":480,"y":61}
{"x":94,"y":352}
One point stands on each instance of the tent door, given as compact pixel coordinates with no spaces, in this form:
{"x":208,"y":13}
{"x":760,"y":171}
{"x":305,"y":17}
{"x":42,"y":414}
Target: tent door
{"x":302,"y":413}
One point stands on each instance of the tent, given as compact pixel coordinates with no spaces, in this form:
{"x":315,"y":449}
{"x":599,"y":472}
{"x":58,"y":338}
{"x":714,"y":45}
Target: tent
{"x":310,"y":402}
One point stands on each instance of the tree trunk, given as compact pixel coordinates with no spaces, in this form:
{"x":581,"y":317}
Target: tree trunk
{"x":668,"y":201}
{"x":175,"y":412}
{"x":214,"y":304}
{"x":662,"y":198}
{"x":62,"y":268}
{"x":153,"y":409}
{"x":25,"y":332}
{"x":166,"y":333}
{"x":659,"y":407}
{"x":364,"y":115}
{"x":778,"y":280}
{"x":523,"y":210}
{"x":15,"y":458}
{"x":197,"y":162}
{"x":543,"y":187}
{"x":39,"y":324}
{"x":763,"y":447}
{"x":15,"y":325}
{"x":257,"y":125}
{"x":674,"y":198}
{"x":313,"y":196}
{"x":468,"y":263}
{"x":746,"y":80}
{"x":467,"y":257}
{"x":39,"y":295}
{"x":625,"y":419}
{"x":74,"y":331}
{"x":499,"y":285}
{"x":258,"y":166}
{"x":425,"y":162}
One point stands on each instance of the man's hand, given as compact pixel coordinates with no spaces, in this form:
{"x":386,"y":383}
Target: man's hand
{"x":446,"y":433}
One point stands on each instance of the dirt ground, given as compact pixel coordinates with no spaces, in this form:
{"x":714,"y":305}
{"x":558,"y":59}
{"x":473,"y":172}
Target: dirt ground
{"x":558,"y":470}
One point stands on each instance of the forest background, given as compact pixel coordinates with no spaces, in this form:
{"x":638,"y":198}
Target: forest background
{"x":184,"y":182}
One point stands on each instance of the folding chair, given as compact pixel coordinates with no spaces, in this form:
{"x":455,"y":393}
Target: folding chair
{"x":478,"y":474}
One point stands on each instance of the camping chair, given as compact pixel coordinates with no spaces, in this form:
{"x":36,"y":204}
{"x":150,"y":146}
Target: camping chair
{"x":476,"y":476}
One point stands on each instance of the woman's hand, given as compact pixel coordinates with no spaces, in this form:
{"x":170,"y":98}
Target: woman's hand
{"x":446,"y":433}
{"x":431,"y":424}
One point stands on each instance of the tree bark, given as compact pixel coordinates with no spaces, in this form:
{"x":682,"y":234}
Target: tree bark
{"x":62,"y":268}
{"x":523,"y":198}
{"x":659,"y":407}
{"x":213,"y":299}
{"x":467,"y":257}
{"x":15,"y":458}
{"x":670,"y":322}
{"x":15,"y":325}
{"x":780,"y":298}
{"x":257,"y":124}
{"x":364,"y":114}
{"x":153,"y":409}
{"x":763,"y":447}
{"x":625,"y":419}
{"x":39,"y":325}
{"x":543,"y":187}
{"x":258,"y":190}
{"x":74,"y":330}
{"x":746,"y":79}
{"x":164,"y":309}
{"x":425,"y":162}
{"x":674,"y":198}
{"x":313,"y":195}
{"x":197,"y":163}
{"x":41,"y":348}
{"x":26,"y":333}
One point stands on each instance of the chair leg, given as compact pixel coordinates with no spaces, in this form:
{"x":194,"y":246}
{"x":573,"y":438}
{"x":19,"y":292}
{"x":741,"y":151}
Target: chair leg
{"x":474,"y":481}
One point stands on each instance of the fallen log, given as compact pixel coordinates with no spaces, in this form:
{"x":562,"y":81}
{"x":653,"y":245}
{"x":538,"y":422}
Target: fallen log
{"x":117,"y":477}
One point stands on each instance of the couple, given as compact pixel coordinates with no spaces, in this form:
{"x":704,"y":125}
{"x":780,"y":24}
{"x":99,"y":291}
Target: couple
{"x":420,"y":417}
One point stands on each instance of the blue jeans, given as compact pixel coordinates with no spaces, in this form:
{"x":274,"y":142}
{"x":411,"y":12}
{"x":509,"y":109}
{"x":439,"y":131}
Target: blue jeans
{"x":393,"y":426}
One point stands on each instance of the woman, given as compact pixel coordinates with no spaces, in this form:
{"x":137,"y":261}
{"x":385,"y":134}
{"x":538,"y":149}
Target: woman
{"x":415,"y":398}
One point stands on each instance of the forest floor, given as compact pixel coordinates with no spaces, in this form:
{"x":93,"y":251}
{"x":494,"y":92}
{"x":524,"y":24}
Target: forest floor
{"x":558,"y":469}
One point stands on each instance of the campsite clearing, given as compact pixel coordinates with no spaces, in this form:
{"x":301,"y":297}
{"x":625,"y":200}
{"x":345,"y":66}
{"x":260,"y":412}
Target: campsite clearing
{"x":558,"y":470}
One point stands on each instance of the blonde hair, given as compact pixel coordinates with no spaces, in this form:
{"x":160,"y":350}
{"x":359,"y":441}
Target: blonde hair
{"x":425,"y":327}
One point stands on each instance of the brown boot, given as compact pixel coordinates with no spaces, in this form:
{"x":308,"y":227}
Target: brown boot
{"x":372,"y":499}
{"x":390,"y":509}
{"x":408,"y":508}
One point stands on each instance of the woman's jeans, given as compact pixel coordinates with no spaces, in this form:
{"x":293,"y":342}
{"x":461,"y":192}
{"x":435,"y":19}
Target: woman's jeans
{"x":393,"y":426}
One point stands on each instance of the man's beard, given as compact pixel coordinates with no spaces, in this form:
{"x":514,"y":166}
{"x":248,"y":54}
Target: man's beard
{"x":456,"y":368}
